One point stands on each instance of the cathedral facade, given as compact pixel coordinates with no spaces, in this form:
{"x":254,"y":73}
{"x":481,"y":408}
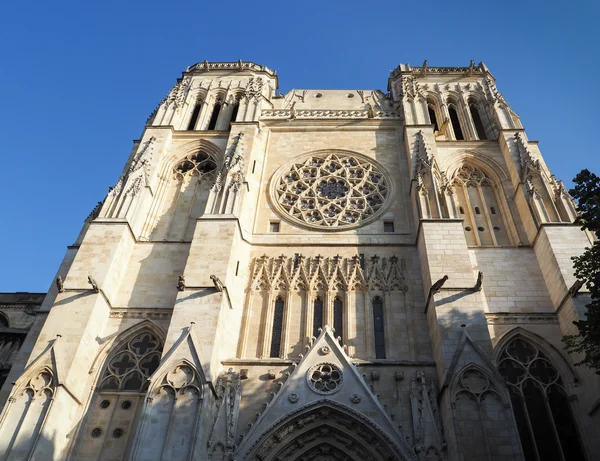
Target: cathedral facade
{"x":316,"y":275}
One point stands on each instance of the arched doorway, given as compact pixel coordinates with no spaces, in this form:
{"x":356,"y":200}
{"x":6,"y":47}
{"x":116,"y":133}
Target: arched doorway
{"x":324,"y":431}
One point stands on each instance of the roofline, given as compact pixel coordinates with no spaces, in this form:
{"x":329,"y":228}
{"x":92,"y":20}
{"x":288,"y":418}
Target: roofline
{"x":240,"y":66}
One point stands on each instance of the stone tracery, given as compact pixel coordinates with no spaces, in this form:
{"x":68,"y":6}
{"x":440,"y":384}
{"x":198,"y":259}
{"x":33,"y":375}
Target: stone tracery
{"x":332,"y":191}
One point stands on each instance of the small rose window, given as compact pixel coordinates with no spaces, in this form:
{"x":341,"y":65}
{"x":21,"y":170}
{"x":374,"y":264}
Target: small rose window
{"x":325,"y":378}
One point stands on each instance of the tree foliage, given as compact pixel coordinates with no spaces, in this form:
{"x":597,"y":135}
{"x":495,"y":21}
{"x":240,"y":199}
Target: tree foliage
{"x":587,"y":269}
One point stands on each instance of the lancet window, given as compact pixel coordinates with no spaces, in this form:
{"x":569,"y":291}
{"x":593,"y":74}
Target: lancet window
{"x":431,"y":110}
{"x":455,"y":121}
{"x":379,"y":328}
{"x":235,"y":109}
{"x":477,"y":120}
{"x":212,"y":124}
{"x":540,"y":403}
{"x":195,"y":115}
{"x":317,"y":316}
{"x":338,"y":317}
{"x":277,"y":328}
{"x":478,"y":206}
{"x":112,"y":416}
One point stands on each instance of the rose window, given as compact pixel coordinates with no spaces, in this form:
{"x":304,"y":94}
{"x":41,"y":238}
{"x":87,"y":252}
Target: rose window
{"x":333,"y":191}
{"x":325,"y":378}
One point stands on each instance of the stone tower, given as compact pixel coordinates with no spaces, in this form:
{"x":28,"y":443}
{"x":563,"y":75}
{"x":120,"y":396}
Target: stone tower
{"x":320,"y":275}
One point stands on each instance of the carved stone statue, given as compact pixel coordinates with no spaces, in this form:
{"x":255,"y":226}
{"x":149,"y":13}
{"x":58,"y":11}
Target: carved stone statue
{"x":60,"y":284}
{"x":218,"y":284}
{"x":437,"y":286}
{"x":93,"y":283}
{"x":181,"y":283}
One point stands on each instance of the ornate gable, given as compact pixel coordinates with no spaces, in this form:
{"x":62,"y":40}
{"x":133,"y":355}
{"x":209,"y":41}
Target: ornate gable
{"x":326,"y":385}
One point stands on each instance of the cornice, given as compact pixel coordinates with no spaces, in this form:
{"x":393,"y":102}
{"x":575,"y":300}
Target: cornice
{"x":239,"y":66}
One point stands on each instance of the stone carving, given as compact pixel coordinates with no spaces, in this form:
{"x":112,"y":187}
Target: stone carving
{"x":95,"y":212}
{"x":59,"y":284}
{"x":132,"y":365}
{"x":293,"y":397}
{"x":325,"y":378}
{"x":217,"y":283}
{"x":335,"y":273}
{"x":181,"y":283}
{"x":517,"y":319}
{"x":429,"y":436}
{"x":206,"y":66}
{"x":355,"y":398}
{"x":333,"y":114}
{"x":129,"y":313}
{"x":324,"y":350}
{"x":200,"y":164}
{"x":93,"y":283}
{"x":335,"y":191}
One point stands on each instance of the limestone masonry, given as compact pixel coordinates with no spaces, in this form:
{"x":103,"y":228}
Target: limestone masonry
{"x":316,"y":275}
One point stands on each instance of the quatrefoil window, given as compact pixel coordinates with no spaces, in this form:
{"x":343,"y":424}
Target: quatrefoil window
{"x":132,"y":365}
{"x":325,"y":378}
{"x":335,"y":191}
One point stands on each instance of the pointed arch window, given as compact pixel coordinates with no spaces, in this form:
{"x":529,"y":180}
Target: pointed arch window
{"x":235,"y":109}
{"x":379,"y":327}
{"x":477,"y":120}
{"x":432,"y":116}
{"x":540,"y":403}
{"x":112,"y":416}
{"x":195,"y":115}
{"x":338,"y":317}
{"x":478,"y":203}
{"x":317,"y":315}
{"x":215,"y":114}
{"x":458,"y":134}
{"x":277,"y":328}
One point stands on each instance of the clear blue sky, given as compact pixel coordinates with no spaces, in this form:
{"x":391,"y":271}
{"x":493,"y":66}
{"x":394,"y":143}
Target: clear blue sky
{"x":80,"y":78}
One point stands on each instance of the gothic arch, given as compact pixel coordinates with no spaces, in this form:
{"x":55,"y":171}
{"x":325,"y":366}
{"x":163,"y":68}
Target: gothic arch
{"x":481,"y":412}
{"x":169,"y":422}
{"x":24,"y":416}
{"x":120,"y":375}
{"x":488,"y":217}
{"x":541,"y":400}
{"x":323,"y":426}
{"x":121,"y":339}
{"x":183,"y":191}
{"x":555,"y":356}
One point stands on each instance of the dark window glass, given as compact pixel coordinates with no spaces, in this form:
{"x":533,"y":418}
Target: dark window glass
{"x":277,"y":328}
{"x":274,"y":226}
{"x":362,"y":261}
{"x":540,"y":404}
{"x":477,"y":210}
{"x":338,"y":317}
{"x":317,"y":316}
{"x":234,"y":112}
{"x":388,"y":226}
{"x":455,"y":124}
{"x":215,"y":116}
{"x":477,"y":122}
{"x":378,"y":326}
{"x":433,"y":118}
{"x":195,"y":116}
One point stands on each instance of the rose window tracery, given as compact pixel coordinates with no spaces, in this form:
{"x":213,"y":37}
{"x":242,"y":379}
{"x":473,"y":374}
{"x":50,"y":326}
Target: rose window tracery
{"x":332,"y":191}
{"x":325,"y":378}
{"x":132,"y":365}
{"x":199,"y":164}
